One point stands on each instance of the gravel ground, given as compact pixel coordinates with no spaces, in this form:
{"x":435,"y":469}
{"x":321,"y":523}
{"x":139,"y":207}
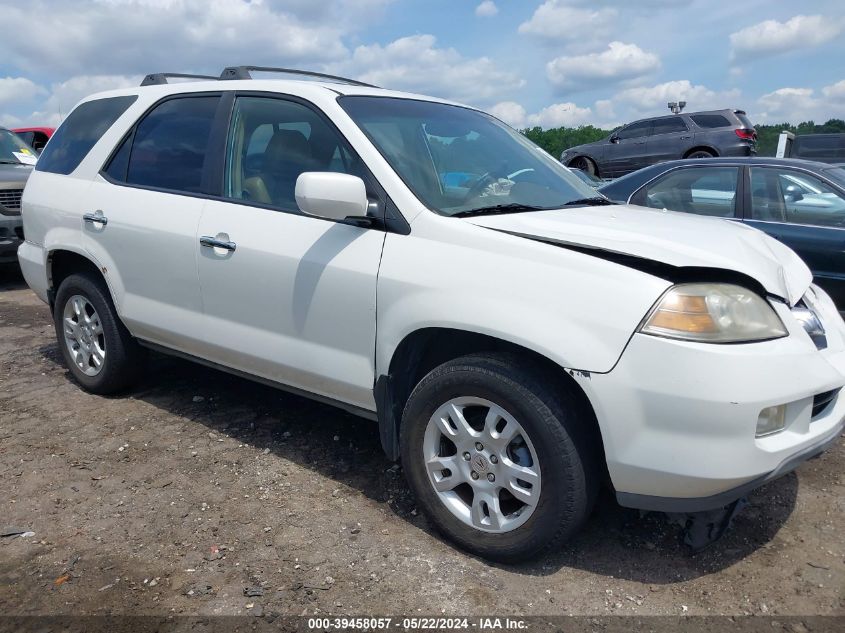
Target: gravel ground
{"x":199,"y":494}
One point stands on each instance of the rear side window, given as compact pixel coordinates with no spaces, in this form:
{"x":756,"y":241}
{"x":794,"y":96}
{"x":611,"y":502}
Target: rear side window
{"x":169,"y":146}
{"x":80,"y":132}
{"x":668,"y":125}
{"x":709,"y":121}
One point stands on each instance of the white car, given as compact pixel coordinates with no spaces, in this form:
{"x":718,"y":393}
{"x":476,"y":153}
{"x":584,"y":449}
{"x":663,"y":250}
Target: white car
{"x":516,"y":336}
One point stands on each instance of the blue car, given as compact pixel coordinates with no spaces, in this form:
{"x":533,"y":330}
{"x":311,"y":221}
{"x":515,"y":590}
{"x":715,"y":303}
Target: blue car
{"x":801,"y":203}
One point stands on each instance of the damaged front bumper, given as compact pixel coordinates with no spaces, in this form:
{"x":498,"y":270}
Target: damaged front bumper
{"x":679,"y":419}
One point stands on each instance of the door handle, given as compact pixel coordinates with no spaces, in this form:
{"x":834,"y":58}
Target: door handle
{"x":96,"y":217}
{"x":683,"y":138}
{"x":213,"y":242}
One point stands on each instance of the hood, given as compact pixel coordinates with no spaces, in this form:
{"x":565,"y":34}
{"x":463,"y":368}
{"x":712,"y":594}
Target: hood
{"x":13,"y":175}
{"x":676,"y":239}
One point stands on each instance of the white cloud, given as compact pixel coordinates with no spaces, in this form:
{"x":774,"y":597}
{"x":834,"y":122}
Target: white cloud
{"x":415,"y":63}
{"x":772,"y":37}
{"x":561,"y":114}
{"x":618,"y":62}
{"x":653,"y":99}
{"x":18,"y":90}
{"x":142,"y":36}
{"x":555,"y":20}
{"x":510,"y":112}
{"x":794,"y":105}
{"x":486,"y":9}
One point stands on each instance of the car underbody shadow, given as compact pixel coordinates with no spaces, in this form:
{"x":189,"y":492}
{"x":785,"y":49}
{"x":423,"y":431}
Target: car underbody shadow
{"x":616,"y":542}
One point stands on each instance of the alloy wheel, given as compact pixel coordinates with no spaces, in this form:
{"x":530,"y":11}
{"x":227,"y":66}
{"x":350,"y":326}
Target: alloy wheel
{"x":83,"y":335}
{"x":482,"y":464}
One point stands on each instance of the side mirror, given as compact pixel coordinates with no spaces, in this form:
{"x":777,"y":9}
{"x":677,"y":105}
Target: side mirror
{"x":331,"y":195}
{"x":614,"y":138}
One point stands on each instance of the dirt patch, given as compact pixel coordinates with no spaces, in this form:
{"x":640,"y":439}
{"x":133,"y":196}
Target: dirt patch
{"x":199,"y":493}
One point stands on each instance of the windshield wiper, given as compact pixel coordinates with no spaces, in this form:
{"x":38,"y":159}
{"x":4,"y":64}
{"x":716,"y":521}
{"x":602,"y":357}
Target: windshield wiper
{"x":4,"y":161}
{"x":498,"y":209}
{"x":589,"y":202}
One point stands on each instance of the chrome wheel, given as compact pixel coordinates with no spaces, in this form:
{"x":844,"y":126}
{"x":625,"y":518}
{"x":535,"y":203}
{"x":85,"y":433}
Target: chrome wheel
{"x":482,"y":464}
{"x":83,"y":334}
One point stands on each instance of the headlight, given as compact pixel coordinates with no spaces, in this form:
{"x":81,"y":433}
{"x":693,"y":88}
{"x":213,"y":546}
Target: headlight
{"x":713,"y":313}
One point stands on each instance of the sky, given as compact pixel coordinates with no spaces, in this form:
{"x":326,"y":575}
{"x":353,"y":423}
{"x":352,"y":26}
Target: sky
{"x":529,"y":62}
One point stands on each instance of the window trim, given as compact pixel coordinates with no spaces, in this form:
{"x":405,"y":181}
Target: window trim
{"x":390,"y":219}
{"x":739,"y":192}
{"x":748,"y":208}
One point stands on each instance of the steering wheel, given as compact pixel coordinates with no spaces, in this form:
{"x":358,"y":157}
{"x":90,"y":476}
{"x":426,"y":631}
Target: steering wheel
{"x":478,"y":185}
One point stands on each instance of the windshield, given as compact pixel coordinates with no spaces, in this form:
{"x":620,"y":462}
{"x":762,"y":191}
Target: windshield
{"x":14,"y":151}
{"x":457,"y":160}
{"x":837,"y":175}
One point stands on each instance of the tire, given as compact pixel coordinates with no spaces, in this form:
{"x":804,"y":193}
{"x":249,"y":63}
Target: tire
{"x":558,"y":450}
{"x":584,"y":164}
{"x":701,"y":153}
{"x":84,"y":299}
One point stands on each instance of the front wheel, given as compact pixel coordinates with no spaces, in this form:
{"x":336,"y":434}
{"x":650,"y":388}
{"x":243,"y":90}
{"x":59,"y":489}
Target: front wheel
{"x":584,"y":164}
{"x":498,"y":457}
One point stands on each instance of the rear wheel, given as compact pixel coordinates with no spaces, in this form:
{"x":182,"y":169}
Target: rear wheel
{"x":701,"y":153}
{"x":498,"y":457}
{"x":97,"y":348}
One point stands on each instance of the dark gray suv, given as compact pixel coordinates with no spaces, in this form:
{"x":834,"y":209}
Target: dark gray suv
{"x":650,"y":141}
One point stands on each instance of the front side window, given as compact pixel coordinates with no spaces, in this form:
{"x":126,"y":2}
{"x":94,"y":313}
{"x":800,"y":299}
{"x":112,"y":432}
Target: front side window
{"x":80,"y":132}
{"x":169,"y":146}
{"x":272,"y":142}
{"x":669,"y":125}
{"x":700,"y":190}
{"x":796,"y":197}
{"x":458,"y":160}
{"x":635,"y":130}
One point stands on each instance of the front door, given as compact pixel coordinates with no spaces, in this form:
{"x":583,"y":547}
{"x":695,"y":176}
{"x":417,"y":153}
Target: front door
{"x":287,"y":297}
{"x":629,"y":151}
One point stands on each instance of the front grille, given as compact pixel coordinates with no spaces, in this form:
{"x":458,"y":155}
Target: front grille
{"x":11,"y":198}
{"x":822,"y":401}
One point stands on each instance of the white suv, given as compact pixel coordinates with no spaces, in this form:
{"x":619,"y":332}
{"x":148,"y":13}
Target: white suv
{"x":417,"y":262}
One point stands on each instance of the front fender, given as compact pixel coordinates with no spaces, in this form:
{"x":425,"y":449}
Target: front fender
{"x":577,"y":310}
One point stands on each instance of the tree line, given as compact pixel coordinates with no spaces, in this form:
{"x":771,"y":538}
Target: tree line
{"x":555,"y":140}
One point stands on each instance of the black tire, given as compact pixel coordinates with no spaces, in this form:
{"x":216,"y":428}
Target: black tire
{"x":584,"y":164}
{"x":124,"y":358}
{"x":701,"y":153}
{"x":558,"y":427}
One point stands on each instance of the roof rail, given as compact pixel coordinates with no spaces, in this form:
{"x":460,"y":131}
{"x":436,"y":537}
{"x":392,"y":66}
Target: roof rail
{"x":243,"y":72}
{"x":157,"y":79}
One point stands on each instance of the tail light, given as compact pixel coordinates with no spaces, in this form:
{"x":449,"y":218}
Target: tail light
{"x":746,"y":135}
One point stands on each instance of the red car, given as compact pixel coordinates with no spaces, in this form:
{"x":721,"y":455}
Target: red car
{"x":35,"y":137}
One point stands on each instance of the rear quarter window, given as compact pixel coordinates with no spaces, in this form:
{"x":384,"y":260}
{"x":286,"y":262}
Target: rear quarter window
{"x":710,"y":121}
{"x":80,"y":132}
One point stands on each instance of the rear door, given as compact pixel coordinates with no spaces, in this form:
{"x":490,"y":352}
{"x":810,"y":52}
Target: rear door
{"x":669,"y":139}
{"x":629,"y":152}
{"x":291,"y":297}
{"x":807,"y":214}
{"x":142,"y":217}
